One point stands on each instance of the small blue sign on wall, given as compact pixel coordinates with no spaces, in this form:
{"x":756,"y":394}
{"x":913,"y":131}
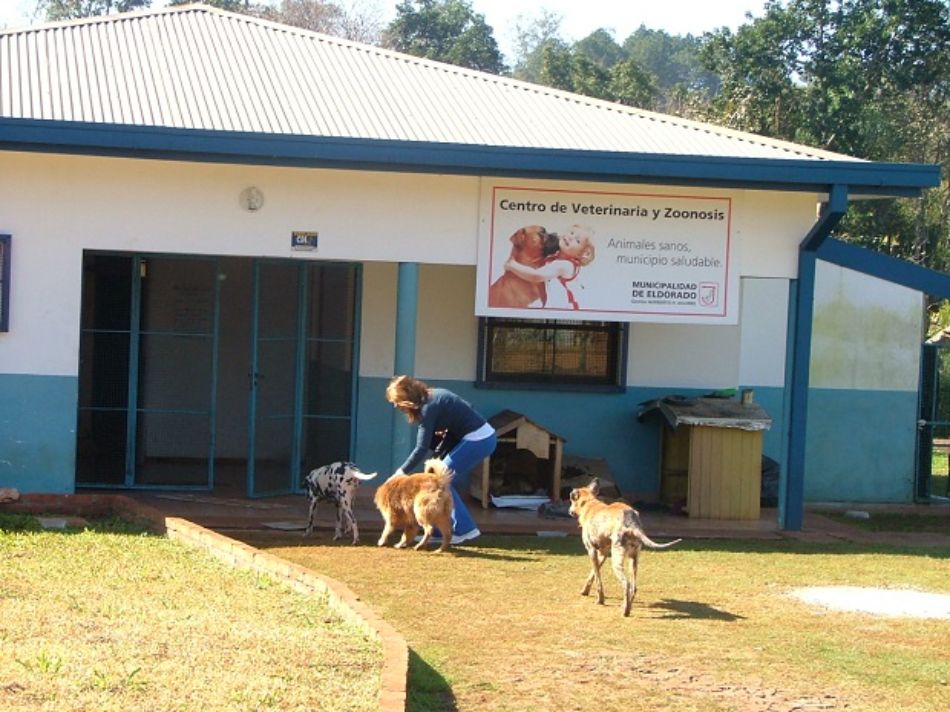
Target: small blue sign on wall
{"x":304,"y":241}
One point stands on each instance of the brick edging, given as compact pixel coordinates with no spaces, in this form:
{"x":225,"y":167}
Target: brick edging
{"x":395,"y":671}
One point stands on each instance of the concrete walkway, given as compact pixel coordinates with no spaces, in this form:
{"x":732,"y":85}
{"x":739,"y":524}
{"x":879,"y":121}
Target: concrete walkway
{"x":289,"y":513}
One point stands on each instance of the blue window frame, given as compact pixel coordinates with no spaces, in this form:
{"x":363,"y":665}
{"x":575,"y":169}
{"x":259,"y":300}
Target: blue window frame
{"x":4,"y":282}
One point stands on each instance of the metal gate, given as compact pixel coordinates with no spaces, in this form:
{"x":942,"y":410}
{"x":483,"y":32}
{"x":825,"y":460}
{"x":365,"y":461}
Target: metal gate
{"x":934,"y":424}
{"x":148,"y":351}
{"x":302,"y":371}
{"x":160,"y":391}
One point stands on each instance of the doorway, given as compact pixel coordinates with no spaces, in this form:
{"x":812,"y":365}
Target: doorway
{"x":933,"y":431}
{"x":214,"y":373}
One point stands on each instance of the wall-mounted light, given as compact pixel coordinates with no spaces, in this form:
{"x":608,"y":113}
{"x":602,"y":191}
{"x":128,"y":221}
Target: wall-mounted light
{"x":251,"y":199}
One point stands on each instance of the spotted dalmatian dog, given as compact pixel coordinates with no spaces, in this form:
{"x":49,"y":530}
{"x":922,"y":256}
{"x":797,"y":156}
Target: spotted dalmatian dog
{"x":337,"y":483}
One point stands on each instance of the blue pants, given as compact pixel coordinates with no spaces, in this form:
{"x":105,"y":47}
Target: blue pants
{"x":468,"y":453}
{"x":465,"y":456}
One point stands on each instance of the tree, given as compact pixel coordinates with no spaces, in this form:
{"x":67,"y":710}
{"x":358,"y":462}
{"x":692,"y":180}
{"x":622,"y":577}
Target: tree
{"x":244,"y":7}
{"x":869,"y":78}
{"x":353,"y":23}
{"x":313,"y":15}
{"x":361,"y":23}
{"x":632,"y":85}
{"x":446,"y":31}
{"x":601,"y":48}
{"x":757,"y":66}
{"x":56,"y":10}
{"x":533,"y":34}
{"x":673,"y":60}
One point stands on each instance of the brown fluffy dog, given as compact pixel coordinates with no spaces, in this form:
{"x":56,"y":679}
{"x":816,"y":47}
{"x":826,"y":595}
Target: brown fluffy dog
{"x":530,"y":246}
{"x":611,"y":530}
{"x":410,"y":501}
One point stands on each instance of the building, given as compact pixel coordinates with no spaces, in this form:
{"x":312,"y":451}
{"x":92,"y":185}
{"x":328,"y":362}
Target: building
{"x":224,"y":236}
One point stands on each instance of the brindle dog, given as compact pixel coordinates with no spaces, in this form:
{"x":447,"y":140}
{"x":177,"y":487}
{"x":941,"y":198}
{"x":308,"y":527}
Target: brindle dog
{"x":612,"y":530}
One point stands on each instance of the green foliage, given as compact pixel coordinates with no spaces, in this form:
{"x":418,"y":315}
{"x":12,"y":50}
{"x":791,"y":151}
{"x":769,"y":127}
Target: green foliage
{"x":56,"y":10}
{"x":532,"y":37}
{"x":245,"y":7}
{"x":633,"y":85}
{"x":601,"y":48}
{"x":445,"y":31}
{"x":673,"y":60}
{"x":868,"y":78}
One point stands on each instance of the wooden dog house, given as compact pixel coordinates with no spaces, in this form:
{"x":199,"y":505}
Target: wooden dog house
{"x":711,"y":455}
{"x":516,"y":429}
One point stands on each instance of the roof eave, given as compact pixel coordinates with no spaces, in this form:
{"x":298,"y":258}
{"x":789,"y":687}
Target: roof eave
{"x":864,"y":177}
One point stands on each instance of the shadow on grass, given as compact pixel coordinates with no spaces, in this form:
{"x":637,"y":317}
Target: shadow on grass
{"x":16,"y":522}
{"x":792,"y":546}
{"x":533,"y":547}
{"x":528,"y":548}
{"x":679,"y":610}
{"x":427,"y":689}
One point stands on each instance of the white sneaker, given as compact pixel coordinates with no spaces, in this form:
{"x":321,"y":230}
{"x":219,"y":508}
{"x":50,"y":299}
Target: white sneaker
{"x":456,"y":538}
{"x":467,"y":536}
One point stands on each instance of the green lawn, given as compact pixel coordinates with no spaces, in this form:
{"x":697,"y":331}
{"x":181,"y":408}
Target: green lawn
{"x":938,"y":478}
{"x":499,"y":625}
{"x":113,"y":619}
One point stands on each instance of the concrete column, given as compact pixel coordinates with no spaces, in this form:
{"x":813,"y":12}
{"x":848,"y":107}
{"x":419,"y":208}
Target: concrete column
{"x":407,"y":310}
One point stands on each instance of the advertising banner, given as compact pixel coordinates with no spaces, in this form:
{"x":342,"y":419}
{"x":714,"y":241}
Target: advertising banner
{"x":606,"y":256}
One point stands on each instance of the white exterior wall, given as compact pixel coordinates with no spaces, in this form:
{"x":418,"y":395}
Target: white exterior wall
{"x":57,"y":206}
{"x":867,"y":332}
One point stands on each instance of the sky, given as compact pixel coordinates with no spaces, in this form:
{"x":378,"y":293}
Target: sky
{"x":579,"y":17}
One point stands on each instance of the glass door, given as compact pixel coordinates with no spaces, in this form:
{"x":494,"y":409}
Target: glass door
{"x":276,"y":327}
{"x":147,"y":371}
{"x":302,"y":377}
{"x":175,"y":351}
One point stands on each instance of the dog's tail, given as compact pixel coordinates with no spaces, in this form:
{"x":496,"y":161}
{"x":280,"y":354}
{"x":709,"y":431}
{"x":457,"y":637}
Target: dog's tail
{"x":435,"y":466}
{"x":632,"y":533}
{"x":363,"y":475}
{"x":637,"y":533}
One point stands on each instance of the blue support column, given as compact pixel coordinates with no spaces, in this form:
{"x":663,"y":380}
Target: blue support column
{"x":792,"y":497}
{"x":407,"y":310}
{"x":792,"y":504}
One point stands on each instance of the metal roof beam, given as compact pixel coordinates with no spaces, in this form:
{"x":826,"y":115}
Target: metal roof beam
{"x":892,"y":269}
{"x":866,"y":178}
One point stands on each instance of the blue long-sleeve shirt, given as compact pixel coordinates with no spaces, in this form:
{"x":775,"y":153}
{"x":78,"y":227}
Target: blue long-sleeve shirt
{"x":443,"y":411}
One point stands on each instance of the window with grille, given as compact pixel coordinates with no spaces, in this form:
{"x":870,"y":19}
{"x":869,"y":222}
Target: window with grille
{"x":4,"y":282}
{"x":545,"y":352}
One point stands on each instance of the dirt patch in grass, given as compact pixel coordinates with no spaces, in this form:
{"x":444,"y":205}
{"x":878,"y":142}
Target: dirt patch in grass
{"x":498,"y":624}
{"x":111,"y":618}
{"x":906,"y":603}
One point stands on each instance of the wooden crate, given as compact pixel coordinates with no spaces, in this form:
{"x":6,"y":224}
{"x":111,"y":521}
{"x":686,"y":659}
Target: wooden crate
{"x":712,"y":445}
{"x":725,"y":473}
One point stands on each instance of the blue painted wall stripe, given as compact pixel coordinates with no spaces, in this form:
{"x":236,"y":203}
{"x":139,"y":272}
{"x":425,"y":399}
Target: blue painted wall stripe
{"x":851,"y":456}
{"x":38,"y":432}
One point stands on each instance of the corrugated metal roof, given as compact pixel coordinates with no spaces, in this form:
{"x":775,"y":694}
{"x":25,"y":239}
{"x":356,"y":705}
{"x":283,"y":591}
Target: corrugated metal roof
{"x":196,"y":67}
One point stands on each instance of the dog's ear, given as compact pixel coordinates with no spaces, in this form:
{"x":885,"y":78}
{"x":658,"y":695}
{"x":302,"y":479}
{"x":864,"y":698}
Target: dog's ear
{"x":594,"y":486}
